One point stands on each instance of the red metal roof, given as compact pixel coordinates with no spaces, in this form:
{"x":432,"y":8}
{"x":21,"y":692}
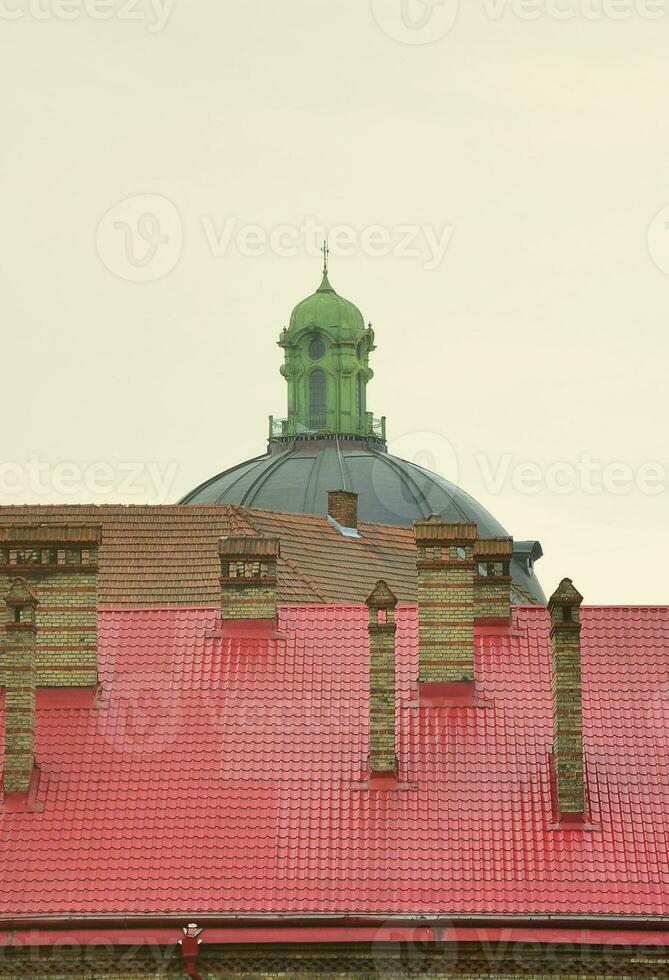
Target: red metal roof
{"x":218,"y":775}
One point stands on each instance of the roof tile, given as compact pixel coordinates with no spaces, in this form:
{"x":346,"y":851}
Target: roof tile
{"x":218,"y":775}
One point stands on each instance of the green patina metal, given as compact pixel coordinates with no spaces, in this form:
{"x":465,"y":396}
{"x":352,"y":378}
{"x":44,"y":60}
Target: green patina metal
{"x":326,"y":348}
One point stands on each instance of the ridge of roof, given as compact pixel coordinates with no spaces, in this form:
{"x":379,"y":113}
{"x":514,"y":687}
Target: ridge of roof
{"x":303,"y":578}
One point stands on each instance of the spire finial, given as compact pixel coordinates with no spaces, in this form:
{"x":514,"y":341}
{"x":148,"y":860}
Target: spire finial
{"x":325,"y":286}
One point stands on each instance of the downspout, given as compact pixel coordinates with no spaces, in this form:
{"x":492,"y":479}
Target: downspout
{"x":190,"y":947}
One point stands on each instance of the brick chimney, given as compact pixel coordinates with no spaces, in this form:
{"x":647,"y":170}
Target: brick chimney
{"x":492,"y":579}
{"x":248,"y":577}
{"x":343,"y":507}
{"x":20,"y":674}
{"x":445,"y":562}
{"x":61,"y":562}
{"x":564,"y":608}
{"x":381,"y":608}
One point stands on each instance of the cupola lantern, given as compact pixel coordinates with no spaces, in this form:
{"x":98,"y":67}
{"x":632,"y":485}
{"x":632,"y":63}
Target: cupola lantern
{"x":326,"y":349}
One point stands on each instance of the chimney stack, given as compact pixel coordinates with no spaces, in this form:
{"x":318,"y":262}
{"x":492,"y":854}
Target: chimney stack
{"x":492,"y":579}
{"x":20,"y":677}
{"x":445,"y":562}
{"x":381,"y":608}
{"x":248,"y":577}
{"x":343,"y":508}
{"x":61,"y":562}
{"x":564,"y":608}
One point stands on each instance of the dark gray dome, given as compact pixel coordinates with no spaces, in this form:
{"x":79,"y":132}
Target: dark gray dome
{"x":390,"y":491}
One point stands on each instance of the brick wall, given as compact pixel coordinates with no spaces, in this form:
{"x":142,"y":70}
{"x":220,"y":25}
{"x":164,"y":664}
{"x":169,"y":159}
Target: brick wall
{"x":445,"y":561}
{"x":568,"y":767}
{"x":20,"y":666}
{"x":506,"y":962}
{"x":248,"y":576}
{"x":381,"y":606}
{"x":343,"y":507}
{"x":61,"y":565}
{"x":492,"y":578}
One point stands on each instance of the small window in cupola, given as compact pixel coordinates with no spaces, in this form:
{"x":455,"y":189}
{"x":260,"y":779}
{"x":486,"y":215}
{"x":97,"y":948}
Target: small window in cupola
{"x":316,"y":349}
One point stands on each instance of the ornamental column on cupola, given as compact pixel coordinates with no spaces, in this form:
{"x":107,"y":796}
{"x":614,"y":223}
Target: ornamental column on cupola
{"x":326,"y":349}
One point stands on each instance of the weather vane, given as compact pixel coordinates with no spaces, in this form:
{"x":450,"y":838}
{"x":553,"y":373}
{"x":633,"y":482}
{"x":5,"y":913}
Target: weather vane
{"x":326,"y":252}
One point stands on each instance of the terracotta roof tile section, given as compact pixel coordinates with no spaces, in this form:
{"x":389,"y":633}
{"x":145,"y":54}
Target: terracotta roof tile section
{"x":53,"y":532}
{"x":169,"y":555}
{"x":220,"y":774}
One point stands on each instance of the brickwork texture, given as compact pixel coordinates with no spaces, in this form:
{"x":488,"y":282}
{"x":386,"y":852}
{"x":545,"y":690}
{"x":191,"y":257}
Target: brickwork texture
{"x":492,"y":578}
{"x":343,"y":507}
{"x":20,"y":671}
{"x":564,"y":607}
{"x":445,"y":562}
{"x":61,"y":564}
{"x":508,"y":962}
{"x":381,"y":605}
{"x":248,"y":576}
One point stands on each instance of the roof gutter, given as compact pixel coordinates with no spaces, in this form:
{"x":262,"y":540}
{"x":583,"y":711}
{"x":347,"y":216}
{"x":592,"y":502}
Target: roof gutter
{"x":192,"y":930}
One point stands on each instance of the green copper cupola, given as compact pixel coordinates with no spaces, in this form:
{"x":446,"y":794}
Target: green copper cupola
{"x":326,"y":348}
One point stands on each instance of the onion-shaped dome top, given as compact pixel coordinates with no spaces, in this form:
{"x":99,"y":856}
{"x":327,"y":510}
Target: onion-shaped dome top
{"x":390,"y":491}
{"x":327,"y":310}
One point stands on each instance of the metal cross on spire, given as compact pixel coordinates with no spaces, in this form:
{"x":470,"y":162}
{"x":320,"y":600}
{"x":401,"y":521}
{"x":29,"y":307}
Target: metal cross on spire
{"x":326,"y":253}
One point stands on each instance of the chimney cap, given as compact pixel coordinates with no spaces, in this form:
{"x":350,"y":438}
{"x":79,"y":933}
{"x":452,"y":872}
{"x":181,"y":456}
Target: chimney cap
{"x":20,"y":594}
{"x":500,"y":548}
{"x":436,"y":529}
{"x":250,"y":546}
{"x":382,"y":597}
{"x":349,"y":494}
{"x":565,"y":595}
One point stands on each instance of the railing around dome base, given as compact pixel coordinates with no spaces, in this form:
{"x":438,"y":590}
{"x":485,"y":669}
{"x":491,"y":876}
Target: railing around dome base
{"x":290,"y":429}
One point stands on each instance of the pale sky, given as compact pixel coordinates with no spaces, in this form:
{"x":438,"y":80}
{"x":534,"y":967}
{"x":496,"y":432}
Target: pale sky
{"x":186,"y":146}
